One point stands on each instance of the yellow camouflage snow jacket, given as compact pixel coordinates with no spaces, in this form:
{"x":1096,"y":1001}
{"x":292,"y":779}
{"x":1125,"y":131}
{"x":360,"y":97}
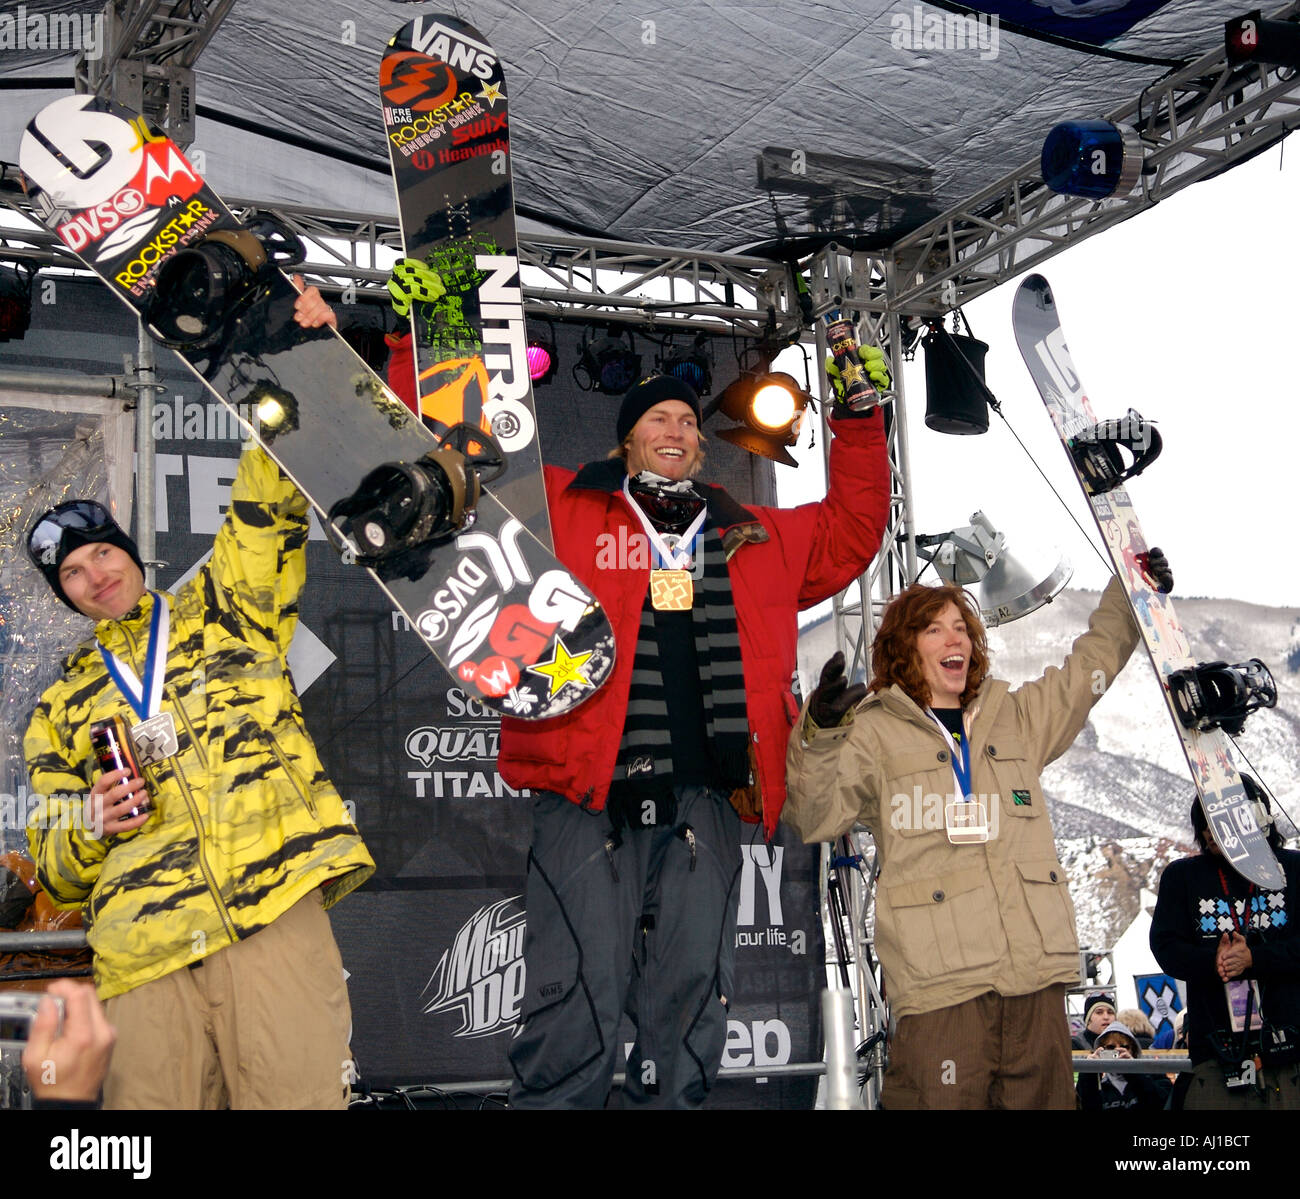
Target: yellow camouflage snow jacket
{"x":245,"y":821}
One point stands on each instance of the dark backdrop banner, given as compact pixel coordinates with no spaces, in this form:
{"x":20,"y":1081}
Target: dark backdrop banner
{"x":433,"y":944}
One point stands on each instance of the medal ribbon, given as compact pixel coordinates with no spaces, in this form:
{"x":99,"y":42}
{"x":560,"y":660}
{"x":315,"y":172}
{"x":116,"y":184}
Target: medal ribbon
{"x":960,"y":759}
{"x":673,"y":559}
{"x":144,"y":697}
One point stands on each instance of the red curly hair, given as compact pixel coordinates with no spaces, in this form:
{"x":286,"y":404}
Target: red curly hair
{"x":893,"y":653}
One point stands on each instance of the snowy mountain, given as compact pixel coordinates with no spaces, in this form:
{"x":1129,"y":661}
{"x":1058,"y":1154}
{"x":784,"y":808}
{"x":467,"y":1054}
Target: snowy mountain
{"x":1120,"y":797}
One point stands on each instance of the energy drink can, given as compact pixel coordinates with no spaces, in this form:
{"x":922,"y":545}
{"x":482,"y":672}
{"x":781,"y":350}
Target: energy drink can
{"x":843,"y":343}
{"x":114,"y":750}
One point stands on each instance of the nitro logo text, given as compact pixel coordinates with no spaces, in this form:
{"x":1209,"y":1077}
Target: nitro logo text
{"x":502,"y":308}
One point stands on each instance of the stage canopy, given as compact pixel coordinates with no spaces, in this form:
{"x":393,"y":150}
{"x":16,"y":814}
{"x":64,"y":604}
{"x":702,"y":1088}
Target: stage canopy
{"x":705,"y":126}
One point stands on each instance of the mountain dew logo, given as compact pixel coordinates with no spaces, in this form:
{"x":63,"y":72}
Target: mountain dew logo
{"x":481,"y":976}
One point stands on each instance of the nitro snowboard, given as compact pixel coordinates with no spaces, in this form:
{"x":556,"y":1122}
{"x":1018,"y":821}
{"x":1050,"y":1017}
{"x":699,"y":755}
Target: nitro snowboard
{"x":490,"y":601}
{"x":1093,"y":450}
{"x":447,"y":123}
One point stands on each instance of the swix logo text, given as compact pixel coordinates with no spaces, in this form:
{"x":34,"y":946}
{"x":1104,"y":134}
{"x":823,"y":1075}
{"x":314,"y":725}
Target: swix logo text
{"x":436,"y":40}
{"x":481,"y":977}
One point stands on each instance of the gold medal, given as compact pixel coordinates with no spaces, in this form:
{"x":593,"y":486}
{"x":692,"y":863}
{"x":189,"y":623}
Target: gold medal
{"x":671,"y":590}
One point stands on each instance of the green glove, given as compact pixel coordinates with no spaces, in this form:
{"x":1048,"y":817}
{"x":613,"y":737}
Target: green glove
{"x":873,"y":362}
{"x":413,"y":281}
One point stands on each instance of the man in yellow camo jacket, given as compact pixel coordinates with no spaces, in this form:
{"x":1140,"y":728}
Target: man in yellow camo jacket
{"x":204,"y":882}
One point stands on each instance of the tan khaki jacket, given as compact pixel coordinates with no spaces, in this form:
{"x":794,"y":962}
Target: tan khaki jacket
{"x":957,"y":921}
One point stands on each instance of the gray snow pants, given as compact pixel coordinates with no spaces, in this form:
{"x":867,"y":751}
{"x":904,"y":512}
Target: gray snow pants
{"x":647,"y":926}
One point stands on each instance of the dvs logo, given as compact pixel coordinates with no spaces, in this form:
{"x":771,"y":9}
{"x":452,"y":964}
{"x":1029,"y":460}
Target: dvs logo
{"x":482,"y":975}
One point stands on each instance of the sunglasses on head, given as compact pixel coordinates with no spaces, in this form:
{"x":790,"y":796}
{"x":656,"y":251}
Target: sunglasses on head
{"x":82,"y":516}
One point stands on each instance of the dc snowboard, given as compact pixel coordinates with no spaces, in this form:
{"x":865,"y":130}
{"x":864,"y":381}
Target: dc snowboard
{"x":447,"y":123}
{"x":488,"y":598}
{"x":1204,"y":701}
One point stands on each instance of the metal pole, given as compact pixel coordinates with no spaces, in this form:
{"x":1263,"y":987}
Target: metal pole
{"x":841,"y":1061}
{"x":145,"y":385}
{"x":63,"y":383}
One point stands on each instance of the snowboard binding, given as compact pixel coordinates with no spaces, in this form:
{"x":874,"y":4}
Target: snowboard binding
{"x":401,"y":507}
{"x":1217,"y":695}
{"x":1096,"y":451}
{"x":201,"y":288}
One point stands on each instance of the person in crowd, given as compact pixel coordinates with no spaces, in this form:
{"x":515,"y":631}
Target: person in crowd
{"x":1137,"y":1023}
{"x":1236,"y":948}
{"x":1115,"y":1091}
{"x":1098,"y":1012}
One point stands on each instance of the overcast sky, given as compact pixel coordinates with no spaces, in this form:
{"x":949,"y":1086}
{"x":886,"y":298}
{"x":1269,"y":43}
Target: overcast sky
{"x":1187,"y":313}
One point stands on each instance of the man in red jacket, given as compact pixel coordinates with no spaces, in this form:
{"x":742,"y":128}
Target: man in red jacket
{"x":632,"y":874}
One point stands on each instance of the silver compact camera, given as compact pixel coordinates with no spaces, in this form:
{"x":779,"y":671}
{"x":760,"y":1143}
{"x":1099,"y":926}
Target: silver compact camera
{"x":17,"y":1011}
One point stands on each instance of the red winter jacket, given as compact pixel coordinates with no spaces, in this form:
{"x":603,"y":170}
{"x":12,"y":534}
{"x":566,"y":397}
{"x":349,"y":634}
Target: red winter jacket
{"x":780,"y":561}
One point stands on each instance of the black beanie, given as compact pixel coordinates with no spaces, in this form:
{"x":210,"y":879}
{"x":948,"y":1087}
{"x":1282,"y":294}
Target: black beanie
{"x":652,"y":390}
{"x":72,"y":539}
{"x":1093,"y":1000}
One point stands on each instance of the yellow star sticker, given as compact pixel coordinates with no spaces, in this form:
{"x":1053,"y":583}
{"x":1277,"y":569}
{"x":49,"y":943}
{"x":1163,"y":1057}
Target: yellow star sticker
{"x":563,"y":668}
{"x":491,"y":93}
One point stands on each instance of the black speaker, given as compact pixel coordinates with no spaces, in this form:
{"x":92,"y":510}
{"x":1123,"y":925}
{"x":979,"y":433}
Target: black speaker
{"x":954,"y":376}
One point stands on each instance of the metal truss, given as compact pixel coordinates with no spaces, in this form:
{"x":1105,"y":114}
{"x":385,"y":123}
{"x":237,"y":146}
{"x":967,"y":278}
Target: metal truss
{"x":564,"y":277}
{"x":151,"y":47}
{"x":1193,"y":124}
{"x":861,"y":283}
{"x":849,"y":869}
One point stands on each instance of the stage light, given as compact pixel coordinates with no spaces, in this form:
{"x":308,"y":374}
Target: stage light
{"x":542,"y":360}
{"x":955,"y":395}
{"x":15,"y":302}
{"x":691,"y":366}
{"x":1251,"y":39}
{"x":771,"y":406}
{"x":609,"y":364}
{"x":978,"y":553}
{"x":1092,"y":159}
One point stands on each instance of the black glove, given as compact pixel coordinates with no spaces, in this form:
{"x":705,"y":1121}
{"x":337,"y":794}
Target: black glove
{"x":833,"y":696}
{"x":1157,"y":570}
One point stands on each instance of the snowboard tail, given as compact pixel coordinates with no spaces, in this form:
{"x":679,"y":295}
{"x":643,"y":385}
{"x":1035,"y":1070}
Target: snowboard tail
{"x":1092,"y":447}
